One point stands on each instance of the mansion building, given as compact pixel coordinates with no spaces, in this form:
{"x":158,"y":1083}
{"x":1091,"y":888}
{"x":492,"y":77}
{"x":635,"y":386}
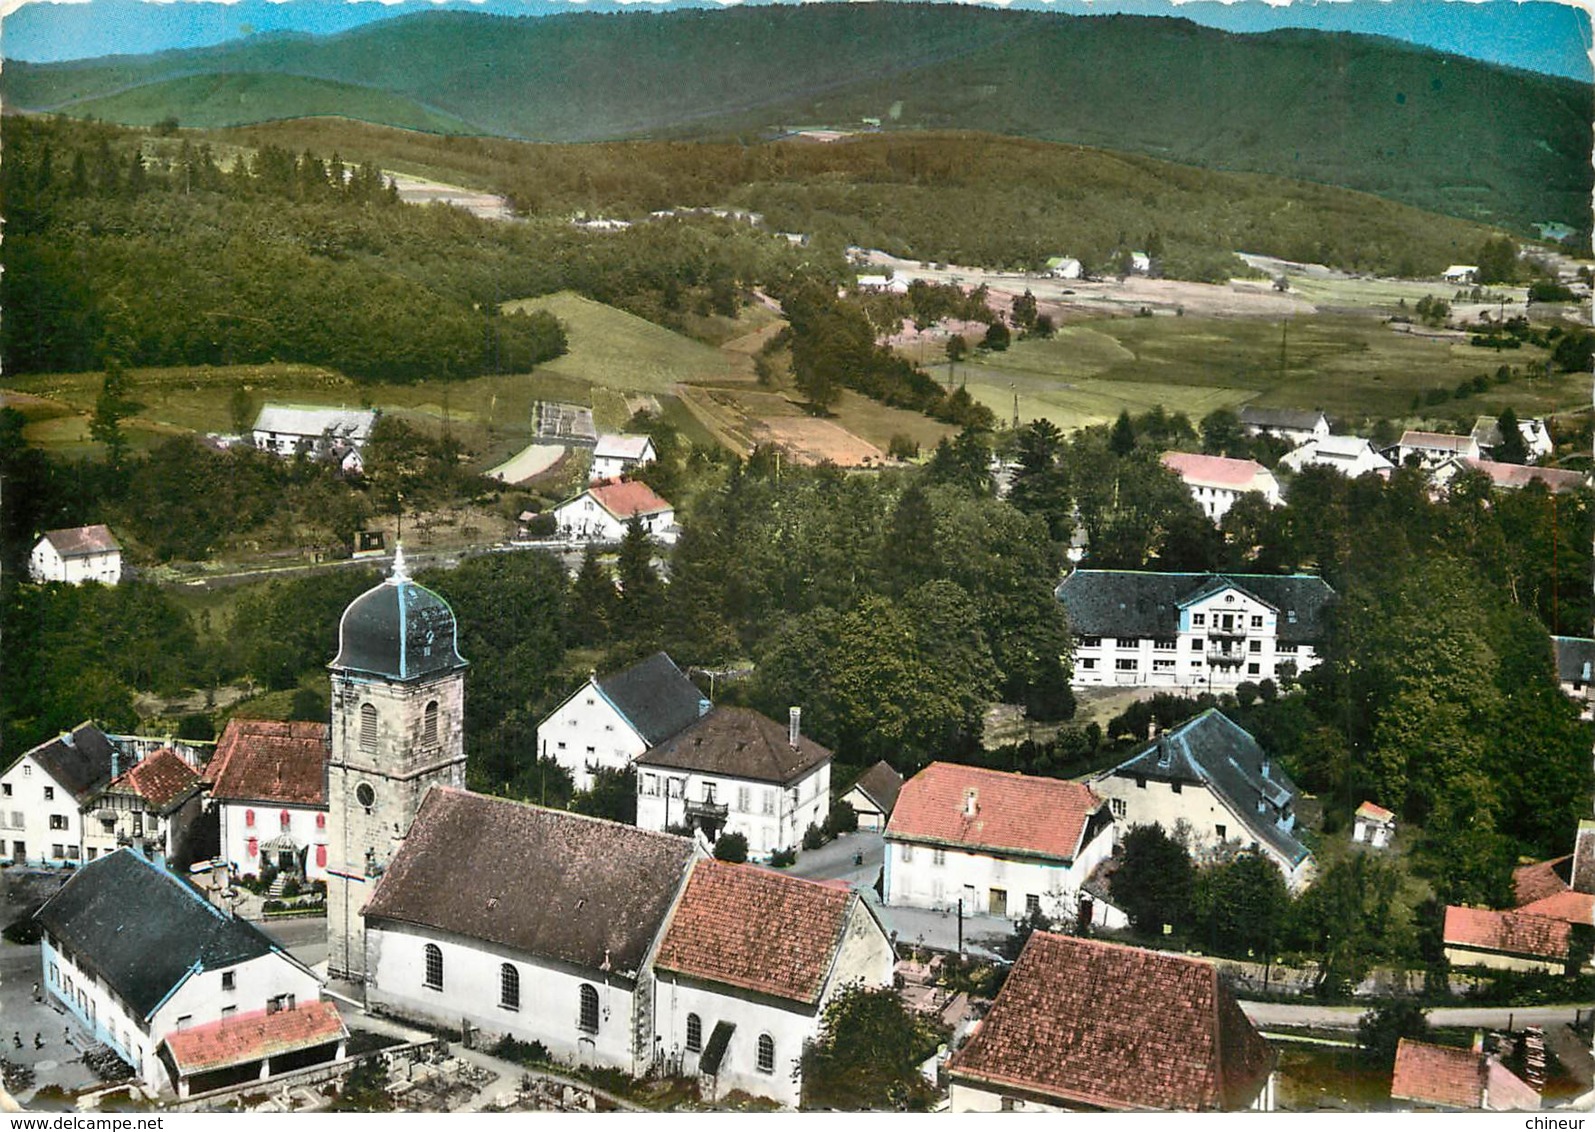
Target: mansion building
{"x":1193,"y":632}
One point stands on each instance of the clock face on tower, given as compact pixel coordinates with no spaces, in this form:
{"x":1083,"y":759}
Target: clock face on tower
{"x":365,"y":795}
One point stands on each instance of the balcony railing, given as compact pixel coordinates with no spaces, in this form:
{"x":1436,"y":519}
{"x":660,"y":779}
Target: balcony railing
{"x":1232,"y":633}
{"x":701,"y":809}
{"x":1219,"y":657}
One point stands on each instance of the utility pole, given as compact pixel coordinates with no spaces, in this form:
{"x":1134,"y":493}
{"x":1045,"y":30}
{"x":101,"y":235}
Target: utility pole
{"x":960,"y":927}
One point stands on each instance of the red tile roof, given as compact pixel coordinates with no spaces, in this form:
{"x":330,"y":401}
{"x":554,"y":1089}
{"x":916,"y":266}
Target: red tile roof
{"x":1438,"y":1075}
{"x":628,"y":498}
{"x":75,"y":542}
{"x":1512,"y":933}
{"x":1374,"y":812}
{"x":160,"y":779}
{"x":1541,"y":879}
{"x":265,"y":760}
{"x":1215,"y":471}
{"x":1570,"y":907}
{"x":250,"y":1037}
{"x":1017,"y":813}
{"x":1118,"y":1028}
{"x":756,"y":930}
{"x":1521,"y":475}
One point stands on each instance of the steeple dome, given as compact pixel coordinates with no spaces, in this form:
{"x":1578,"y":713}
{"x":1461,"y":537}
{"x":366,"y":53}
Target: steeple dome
{"x":398,"y":630}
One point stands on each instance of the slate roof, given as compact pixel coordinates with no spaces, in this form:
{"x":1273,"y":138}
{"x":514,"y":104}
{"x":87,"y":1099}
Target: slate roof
{"x":1014,"y":813}
{"x":1217,"y":471}
{"x":268,"y":760}
{"x":1439,"y":1075}
{"x":1510,"y":933}
{"x":1302,"y":419}
{"x":249,"y":1037}
{"x":881,"y":785}
{"x":628,"y":498}
{"x":316,"y":421}
{"x":79,"y":760}
{"x":752,"y":929}
{"x":655,"y":697}
{"x":161,"y":779}
{"x":738,"y":743}
{"x":1141,"y":603}
{"x":1213,"y":750}
{"x":399,"y":630}
{"x":1575,"y":659}
{"x":144,"y":931}
{"x":545,"y":883}
{"x":79,"y":542}
{"x":1118,"y":1028}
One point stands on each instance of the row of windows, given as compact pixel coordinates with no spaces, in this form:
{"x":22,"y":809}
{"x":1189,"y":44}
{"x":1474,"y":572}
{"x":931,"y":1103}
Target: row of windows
{"x":509,"y":989}
{"x":368,"y":727}
{"x":284,"y":819}
{"x":766,"y":1045}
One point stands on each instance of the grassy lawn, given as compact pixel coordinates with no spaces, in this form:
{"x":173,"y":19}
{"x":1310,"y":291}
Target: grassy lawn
{"x":621,"y":351}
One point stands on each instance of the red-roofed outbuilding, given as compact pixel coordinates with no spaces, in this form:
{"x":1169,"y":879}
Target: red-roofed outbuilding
{"x":254,"y":1046}
{"x":603,"y":511}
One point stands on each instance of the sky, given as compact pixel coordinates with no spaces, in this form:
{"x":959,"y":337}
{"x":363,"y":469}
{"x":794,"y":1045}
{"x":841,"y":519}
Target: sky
{"x":1538,"y":35}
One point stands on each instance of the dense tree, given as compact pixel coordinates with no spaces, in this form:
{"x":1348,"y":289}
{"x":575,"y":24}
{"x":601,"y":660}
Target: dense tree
{"x":1349,"y":920}
{"x":1512,"y":449}
{"x":1241,"y":906}
{"x":1155,"y":881}
{"x":868,"y":1054}
{"x":1497,"y":260}
{"x":1381,"y":1029}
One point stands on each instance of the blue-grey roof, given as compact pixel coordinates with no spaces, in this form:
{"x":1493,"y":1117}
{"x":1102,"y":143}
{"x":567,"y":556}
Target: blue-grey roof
{"x":399,"y":630}
{"x":1214,"y":751}
{"x":655,"y":698}
{"x":1575,"y":659}
{"x":1143,"y":603}
{"x":80,"y":759}
{"x":1280,"y":418}
{"x":143,"y":931}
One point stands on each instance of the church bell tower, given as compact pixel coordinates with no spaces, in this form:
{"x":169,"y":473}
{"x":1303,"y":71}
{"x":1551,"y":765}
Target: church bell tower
{"x":398,"y":707}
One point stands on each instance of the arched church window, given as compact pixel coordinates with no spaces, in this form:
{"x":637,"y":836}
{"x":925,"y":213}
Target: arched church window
{"x":429,"y":725}
{"x":588,"y":1018}
{"x":368,"y":729}
{"x":509,"y":987}
{"x":434,"y":966}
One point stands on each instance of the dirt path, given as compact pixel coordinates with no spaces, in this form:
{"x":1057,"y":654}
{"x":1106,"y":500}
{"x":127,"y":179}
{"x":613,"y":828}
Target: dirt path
{"x":533,"y":460}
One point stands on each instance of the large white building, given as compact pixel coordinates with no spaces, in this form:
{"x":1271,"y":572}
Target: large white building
{"x":45,"y":794}
{"x":136,"y":958}
{"x":1004,"y":844}
{"x":609,"y":721}
{"x":617,"y":453}
{"x":77,"y":555}
{"x":1192,"y":631}
{"x":602,"y":512}
{"x":315,"y":430}
{"x":1295,"y":425}
{"x":1431,"y":449}
{"x":1351,"y":456}
{"x":269,"y":788}
{"x":736,"y":771}
{"x":1209,"y":776}
{"x":1218,"y":482}
{"x":747,"y":965}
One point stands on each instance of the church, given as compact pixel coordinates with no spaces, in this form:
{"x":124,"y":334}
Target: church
{"x":613,"y":946}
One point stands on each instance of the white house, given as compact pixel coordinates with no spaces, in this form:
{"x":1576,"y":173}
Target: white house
{"x":135,"y":956}
{"x":1373,"y":825}
{"x":1295,"y":425}
{"x":1509,"y":477}
{"x":1575,"y":671}
{"x":736,"y":771}
{"x":1064,"y":267}
{"x":44,"y":794}
{"x":600,"y":513}
{"x":269,"y":786}
{"x":1005,"y":844}
{"x":608,"y":722}
{"x":1081,"y":1025}
{"x":874,"y":795}
{"x":1351,"y":456}
{"x":748,"y":963}
{"x":1140,"y":263}
{"x":1192,"y":631}
{"x":1217,"y":482}
{"x":1536,"y":437}
{"x":152,"y":807}
{"x":1211,"y":777}
{"x":318,"y":431}
{"x":617,"y":453}
{"x":1431,"y":449}
{"x":883,"y":284}
{"x":77,"y":555}
{"x":1461,"y":273}
{"x":537,"y":924}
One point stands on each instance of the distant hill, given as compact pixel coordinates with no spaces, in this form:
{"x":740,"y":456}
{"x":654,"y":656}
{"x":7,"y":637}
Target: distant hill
{"x":1440,"y":132}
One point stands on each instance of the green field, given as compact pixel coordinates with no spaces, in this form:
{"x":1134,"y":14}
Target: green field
{"x":1353,"y":367}
{"x":611,"y":348}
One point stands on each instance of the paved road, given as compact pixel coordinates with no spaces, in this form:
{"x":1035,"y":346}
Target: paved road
{"x":839,"y":860}
{"x":306,"y":940}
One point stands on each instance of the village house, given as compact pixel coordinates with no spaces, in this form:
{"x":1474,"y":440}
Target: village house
{"x":1373,"y":825}
{"x":1449,"y":1078}
{"x":747,"y":965}
{"x":1196,"y":632}
{"x":153,"y":806}
{"x":608,"y":722}
{"x":1218,"y":482}
{"x":1575,"y":671}
{"x":618,"y":453}
{"x":601,"y":513}
{"x":537,"y":924}
{"x":1140,"y":263}
{"x":1004,"y":844}
{"x":77,"y":555}
{"x":44,"y":796}
{"x":1210,"y":775}
{"x":317,"y":431}
{"x":737,"y":771}
{"x":1086,"y":1026}
{"x":269,"y":788}
{"x":135,"y":957}
{"x":1298,"y":426}
{"x":1461,"y":273}
{"x":1431,"y":449}
{"x":1509,"y":477}
{"x":1508,"y":941}
{"x":1536,"y":437}
{"x":1351,"y":456}
{"x":874,"y":795}
{"x":1064,"y":267}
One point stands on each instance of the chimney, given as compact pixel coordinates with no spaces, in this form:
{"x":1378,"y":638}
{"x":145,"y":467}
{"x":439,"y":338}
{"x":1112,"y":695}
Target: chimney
{"x":1584,"y":857}
{"x":1165,"y":754}
{"x":1266,"y":765}
{"x":703,"y":707}
{"x":794,"y":721}
{"x":971,"y":806}
{"x":1153,"y":730}
{"x":67,"y":740}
